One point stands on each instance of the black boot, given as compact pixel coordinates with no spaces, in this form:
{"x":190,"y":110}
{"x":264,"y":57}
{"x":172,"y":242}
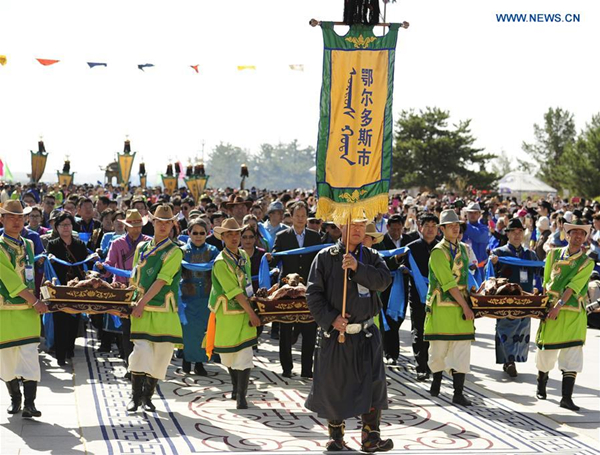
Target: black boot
{"x":148,"y":391}
{"x":436,"y":383}
{"x":30,"y":389}
{"x":371,"y":437}
{"x":568,"y":384}
{"x":186,"y":367}
{"x":233,"y":374}
{"x":137,"y":382}
{"x":542,"y":380}
{"x":14,"y":390}
{"x":243,"y":378}
{"x":199,"y":369}
{"x":459,"y":384}
{"x":336,"y":430}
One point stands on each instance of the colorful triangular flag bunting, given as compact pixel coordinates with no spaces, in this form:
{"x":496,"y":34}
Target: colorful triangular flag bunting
{"x":195,"y":67}
{"x":92,"y":64}
{"x":2,"y":60}
{"x":47,"y":62}
{"x":145,"y":65}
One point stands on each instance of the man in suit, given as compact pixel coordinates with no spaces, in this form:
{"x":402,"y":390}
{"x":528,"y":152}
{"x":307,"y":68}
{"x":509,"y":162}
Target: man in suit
{"x":395,"y":238}
{"x":297,"y":237}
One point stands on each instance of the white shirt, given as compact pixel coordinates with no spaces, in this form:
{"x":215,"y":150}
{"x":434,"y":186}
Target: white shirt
{"x":300,"y":237}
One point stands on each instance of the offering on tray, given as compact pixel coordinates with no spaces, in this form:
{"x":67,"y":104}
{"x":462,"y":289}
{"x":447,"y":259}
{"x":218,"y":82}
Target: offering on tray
{"x":284,"y":304}
{"x":497,"y":298}
{"x":91,"y":295}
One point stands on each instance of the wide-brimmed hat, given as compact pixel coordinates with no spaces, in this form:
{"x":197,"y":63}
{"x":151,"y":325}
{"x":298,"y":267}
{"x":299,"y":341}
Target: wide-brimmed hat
{"x":578,"y":224}
{"x":229,"y":225}
{"x":133,"y":218}
{"x":275,"y":206}
{"x":372,"y":232}
{"x":163,"y":213}
{"x":449,"y":216}
{"x":474,"y":207}
{"x":514,"y":223}
{"x":14,"y":208}
{"x":238,"y":200}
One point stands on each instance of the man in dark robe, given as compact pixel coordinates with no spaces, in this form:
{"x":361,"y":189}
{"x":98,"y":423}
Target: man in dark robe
{"x":349,"y":377}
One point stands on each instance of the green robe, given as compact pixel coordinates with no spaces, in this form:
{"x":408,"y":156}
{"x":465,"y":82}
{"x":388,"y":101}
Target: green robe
{"x":562,"y":272}
{"x":233,"y":330}
{"x":19,"y":322}
{"x":444,"y":318}
{"x":160,"y":320}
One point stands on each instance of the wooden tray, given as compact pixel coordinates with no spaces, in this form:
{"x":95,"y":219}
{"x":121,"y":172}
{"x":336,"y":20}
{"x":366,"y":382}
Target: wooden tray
{"x":87,"y":300}
{"x":509,"y":306}
{"x":286,"y":311}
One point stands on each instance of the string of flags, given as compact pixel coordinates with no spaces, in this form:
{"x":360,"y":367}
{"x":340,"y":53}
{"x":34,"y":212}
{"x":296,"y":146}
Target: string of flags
{"x":144,"y":66}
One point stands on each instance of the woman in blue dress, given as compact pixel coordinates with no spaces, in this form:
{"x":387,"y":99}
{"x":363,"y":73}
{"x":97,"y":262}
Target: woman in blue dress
{"x":195,"y":289}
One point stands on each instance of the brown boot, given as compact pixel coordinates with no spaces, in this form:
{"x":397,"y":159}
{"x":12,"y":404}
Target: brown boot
{"x":336,"y":430}
{"x":371,"y":437}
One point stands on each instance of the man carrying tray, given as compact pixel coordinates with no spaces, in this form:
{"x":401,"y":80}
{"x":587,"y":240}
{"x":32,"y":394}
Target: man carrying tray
{"x":349,"y":378}
{"x":562,"y":335}
{"x":449,"y":324}
{"x":19,"y":309}
{"x":512,"y":335}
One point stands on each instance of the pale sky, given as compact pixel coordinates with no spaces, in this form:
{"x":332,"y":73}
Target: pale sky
{"x":455,"y":56}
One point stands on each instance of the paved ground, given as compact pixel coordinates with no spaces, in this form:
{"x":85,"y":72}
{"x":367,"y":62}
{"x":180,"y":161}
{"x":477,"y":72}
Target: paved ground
{"x":84,"y":410}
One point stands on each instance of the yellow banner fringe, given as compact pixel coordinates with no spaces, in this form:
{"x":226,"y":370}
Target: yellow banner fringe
{"x":339,"y":212}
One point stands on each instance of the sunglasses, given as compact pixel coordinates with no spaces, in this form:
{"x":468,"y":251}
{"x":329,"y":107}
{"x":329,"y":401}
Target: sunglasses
{"x":248,"y":237}
{"x":314,"y":222}
{"x":198,"y":233}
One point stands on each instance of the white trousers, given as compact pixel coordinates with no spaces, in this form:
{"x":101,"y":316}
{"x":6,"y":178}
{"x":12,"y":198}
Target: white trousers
{"x":241,"y":360}
{"x":450,"y":355}
{"x":151,"y":358}
{"x":20,"y":362}
{"x":569,"y":359}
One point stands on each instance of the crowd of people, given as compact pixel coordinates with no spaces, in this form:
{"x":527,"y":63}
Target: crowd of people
{"x":222,"y":238}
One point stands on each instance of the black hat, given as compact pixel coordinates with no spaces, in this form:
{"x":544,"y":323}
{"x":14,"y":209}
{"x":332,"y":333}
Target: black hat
{"x":546,"y":205}
{"x":514,"y":223}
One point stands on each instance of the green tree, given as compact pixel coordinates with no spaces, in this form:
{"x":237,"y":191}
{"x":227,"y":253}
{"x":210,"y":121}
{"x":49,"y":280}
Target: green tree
{"x":224,"y":165}
{"x":283,"y":166}
{"x":580,"y":162}
{"x":429,"y":154}
{"x":551,"y":140}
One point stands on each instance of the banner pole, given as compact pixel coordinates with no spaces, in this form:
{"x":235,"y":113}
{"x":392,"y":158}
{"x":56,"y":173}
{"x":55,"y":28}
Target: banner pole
{"x":315,"y":22}
{"x":342,"y":336}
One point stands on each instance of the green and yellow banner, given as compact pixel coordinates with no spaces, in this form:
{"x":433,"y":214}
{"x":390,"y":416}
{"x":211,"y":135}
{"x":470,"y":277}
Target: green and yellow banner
{"x":354,"y":149}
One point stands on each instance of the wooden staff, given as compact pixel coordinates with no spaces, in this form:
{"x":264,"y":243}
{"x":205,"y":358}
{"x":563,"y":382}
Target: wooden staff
{"x":342,"y":336}
{"x":315,"y":22}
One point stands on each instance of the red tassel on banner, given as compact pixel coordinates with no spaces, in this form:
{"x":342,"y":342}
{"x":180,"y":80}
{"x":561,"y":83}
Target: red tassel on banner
{"x":47,"y":62}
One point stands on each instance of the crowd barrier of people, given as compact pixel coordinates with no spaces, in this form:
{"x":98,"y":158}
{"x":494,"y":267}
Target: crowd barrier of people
{"x":195,"y":266}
